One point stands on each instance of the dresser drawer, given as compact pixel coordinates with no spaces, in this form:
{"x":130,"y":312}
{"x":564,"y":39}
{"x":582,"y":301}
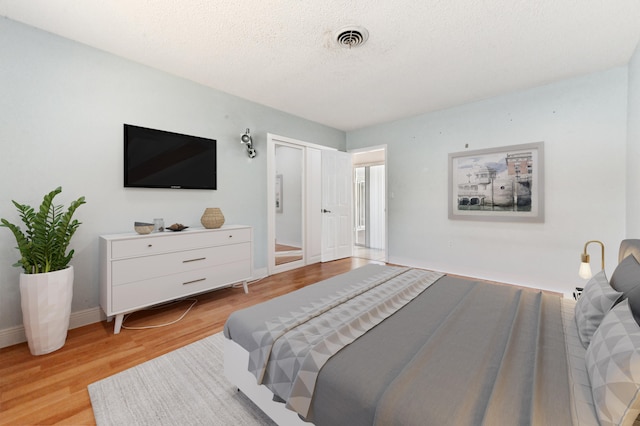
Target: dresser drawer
{"x":147,"y":267}
{"x":137,"y":271}
{"x":150,"y":292}
{"x":166,"y":243}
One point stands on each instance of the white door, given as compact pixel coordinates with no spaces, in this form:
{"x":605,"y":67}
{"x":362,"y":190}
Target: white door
{"x":337,"y":235}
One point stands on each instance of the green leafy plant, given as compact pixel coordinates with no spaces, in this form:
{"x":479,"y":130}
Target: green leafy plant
{"x":48,"y":231}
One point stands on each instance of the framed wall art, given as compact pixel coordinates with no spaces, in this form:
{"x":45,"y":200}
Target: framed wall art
{"x":498,"y":184}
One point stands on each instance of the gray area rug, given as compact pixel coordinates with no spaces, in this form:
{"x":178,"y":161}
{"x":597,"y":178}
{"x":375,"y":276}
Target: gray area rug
{"x":184,"y":387}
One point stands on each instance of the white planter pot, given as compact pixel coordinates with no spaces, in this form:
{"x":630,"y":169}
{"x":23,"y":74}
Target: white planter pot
{"x":46,"y":308}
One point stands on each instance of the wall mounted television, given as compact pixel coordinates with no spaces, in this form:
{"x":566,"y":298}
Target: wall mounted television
{"x":161,"y":159}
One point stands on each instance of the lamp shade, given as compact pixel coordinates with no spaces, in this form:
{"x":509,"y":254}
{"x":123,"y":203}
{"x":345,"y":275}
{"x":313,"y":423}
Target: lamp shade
{"x":585,"y":271}
{"x":585,"y":266}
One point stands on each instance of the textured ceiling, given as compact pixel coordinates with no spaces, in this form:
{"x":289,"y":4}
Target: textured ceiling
{"x":421,"y":56}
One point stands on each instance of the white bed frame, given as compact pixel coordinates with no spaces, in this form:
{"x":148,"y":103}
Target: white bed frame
{"x":236,"y":360}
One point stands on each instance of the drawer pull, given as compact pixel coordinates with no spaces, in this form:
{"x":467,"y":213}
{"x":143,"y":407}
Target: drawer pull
{"x":150,"y":245}
{"x":194,"y":281}
{"x":230,"y":236}
{"x":193,"y":260}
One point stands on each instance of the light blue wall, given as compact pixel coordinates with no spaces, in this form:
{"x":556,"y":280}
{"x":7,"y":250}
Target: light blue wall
{"x":633,"y":148}
{"x":583,"y":123}
{"x":62,"y":108}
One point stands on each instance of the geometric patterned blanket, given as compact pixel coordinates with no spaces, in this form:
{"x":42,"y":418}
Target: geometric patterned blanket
{"x":292,"y":349}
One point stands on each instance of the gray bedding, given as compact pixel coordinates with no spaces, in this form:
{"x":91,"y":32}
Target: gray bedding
{"x":462,"y":352}
{"x":299,"y":344}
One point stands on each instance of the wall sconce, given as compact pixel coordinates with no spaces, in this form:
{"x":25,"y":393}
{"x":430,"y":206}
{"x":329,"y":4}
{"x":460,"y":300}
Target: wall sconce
{"x":585,"y":267}
{"x":246,"y":139}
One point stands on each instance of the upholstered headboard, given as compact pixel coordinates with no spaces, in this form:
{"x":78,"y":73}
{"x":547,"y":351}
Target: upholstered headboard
{"x":627,"y":247}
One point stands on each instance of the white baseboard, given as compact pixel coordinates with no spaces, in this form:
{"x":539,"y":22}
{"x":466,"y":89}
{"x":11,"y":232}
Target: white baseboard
{"x":86,"y":317}
{"x":257,"y":275}
{"x":14,"y":335}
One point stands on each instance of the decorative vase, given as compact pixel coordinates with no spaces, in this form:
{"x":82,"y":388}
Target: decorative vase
{"x":212,"y":218}
{"x":46,"y":309}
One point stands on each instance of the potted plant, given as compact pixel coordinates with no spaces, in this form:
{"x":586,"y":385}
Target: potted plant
{"x":46,"y":280}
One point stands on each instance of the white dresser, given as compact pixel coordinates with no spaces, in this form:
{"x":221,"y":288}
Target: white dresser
{"x":137,"y":271}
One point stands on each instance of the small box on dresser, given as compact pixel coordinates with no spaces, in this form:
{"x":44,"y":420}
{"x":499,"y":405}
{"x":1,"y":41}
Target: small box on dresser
{"x":138,"y":271}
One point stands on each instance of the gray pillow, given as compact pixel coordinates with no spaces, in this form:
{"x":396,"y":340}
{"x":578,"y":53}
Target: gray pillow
{"x":597,"y":299}
{"x":626,"y":279}
{"x":613,"y":364}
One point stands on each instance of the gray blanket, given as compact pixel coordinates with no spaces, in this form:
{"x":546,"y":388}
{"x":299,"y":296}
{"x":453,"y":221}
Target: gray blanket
{"x":290,"y":350}
{"x":462,"y":352}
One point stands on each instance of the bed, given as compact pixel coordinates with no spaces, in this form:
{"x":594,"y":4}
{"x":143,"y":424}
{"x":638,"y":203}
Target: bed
{"x":390,"y":345}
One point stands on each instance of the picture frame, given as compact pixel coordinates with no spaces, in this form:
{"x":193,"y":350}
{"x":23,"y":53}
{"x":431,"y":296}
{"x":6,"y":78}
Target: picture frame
{"x":278,"y":196}
{"x":503,"y":184}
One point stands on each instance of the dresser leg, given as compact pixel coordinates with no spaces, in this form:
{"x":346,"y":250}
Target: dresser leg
{"x":244,"y":285}
{"x":118,"y":324}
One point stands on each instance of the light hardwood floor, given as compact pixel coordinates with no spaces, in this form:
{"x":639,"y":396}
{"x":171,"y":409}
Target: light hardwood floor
{"x":52,"y":389}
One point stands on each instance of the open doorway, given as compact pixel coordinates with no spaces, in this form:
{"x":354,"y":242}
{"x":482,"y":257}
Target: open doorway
{"x":370,"y":210}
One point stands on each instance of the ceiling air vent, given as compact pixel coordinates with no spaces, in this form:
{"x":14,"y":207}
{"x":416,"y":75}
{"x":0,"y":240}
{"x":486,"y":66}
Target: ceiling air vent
{"x":351,"y":36}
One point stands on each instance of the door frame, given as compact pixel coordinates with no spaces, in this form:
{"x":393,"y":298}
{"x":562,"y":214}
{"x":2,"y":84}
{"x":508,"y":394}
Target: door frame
{"x":308,"y":218}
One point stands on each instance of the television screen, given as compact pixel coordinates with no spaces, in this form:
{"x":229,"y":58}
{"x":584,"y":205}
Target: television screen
{"x":160,"y":159}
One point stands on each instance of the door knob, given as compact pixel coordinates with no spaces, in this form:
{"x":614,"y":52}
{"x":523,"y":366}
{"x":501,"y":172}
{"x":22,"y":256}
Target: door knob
{"x":326,"y":211}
